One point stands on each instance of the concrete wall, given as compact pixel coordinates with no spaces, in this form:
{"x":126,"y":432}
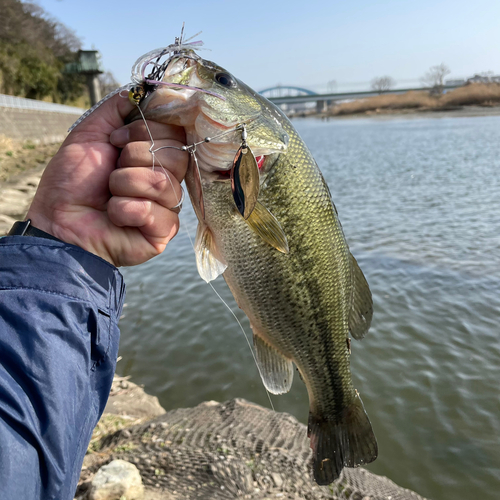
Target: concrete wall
{"x":35,"y":125}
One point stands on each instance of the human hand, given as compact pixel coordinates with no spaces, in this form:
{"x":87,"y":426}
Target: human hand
{"x":110,"y":203}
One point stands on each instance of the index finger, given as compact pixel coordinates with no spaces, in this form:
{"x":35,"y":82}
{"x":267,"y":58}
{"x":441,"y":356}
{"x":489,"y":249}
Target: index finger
{"x":137,"y":131}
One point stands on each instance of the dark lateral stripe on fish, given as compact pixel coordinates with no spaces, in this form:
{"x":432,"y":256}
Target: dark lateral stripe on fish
{"x":321,"y":324}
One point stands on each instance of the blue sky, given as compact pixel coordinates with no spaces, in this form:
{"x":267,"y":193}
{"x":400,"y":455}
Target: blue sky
{"x":306,"y":43}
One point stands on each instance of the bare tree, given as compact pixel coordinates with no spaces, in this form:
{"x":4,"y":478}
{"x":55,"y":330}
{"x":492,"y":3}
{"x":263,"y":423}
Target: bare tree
{"x":434,"y":78}
{"x":107,"y":83}
{"x":331,"y":86}
{"x":382,"y":83}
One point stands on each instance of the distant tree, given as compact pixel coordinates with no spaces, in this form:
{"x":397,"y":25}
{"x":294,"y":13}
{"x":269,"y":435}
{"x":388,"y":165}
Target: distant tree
{"x":382,"y":84}
{"x":434,"y":78}
{"x":331,"y":86}
{"x":27,"y":71}
{"x":34,"y":49}
{"x":70,"y":86}
{"x":107,"y":83}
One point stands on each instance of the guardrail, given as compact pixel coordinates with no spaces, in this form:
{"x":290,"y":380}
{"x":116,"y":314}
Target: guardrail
{"x":10,"y":101}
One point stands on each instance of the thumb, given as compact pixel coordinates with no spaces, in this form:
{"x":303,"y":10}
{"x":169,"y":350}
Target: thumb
{"x":99,"y":124}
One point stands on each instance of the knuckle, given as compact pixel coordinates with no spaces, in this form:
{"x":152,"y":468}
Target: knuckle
{"x":135,"y":153}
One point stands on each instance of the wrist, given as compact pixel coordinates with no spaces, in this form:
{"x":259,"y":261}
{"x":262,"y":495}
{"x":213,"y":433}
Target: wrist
{"x":73,"y":231}
{"x":26,"y":228}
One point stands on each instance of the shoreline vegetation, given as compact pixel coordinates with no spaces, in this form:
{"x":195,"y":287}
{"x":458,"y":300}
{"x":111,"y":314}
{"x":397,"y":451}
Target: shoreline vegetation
{"x":486,"y":95}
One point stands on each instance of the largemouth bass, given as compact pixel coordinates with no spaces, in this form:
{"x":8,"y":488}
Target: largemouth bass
{"x":267,"y":222}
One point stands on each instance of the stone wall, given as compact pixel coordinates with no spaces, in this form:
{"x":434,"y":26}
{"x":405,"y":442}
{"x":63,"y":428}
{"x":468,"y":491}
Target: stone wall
{"x":34,"y":125}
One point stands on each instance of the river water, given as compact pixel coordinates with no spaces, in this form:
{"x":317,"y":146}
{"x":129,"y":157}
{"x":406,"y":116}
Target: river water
{"x":419,"y":200}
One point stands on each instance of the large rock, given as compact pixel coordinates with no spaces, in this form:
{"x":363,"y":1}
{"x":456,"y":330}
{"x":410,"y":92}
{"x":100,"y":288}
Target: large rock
{"x":116,"y":480}
{"x":127,"y":398}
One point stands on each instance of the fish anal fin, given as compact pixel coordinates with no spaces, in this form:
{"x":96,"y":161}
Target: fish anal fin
{"x":263,"y":223}
{"x":276,"y":370}
{"x":345,"y":441}
{"x":208,"y":260}
{"x":360,"y":316}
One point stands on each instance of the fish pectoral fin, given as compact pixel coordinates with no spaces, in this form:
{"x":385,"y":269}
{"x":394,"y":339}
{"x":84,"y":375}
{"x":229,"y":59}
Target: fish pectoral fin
{"x":276,"y":370}
{"x":208,"y":260}
{"x":265,"y":224}
{"x":360,"y":316}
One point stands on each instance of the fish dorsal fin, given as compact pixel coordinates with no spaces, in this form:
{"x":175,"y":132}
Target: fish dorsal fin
{"x":361,"y":313}
{"x":276,"y":370}
{"x":208,"y":260}
{"x":265,"y":224}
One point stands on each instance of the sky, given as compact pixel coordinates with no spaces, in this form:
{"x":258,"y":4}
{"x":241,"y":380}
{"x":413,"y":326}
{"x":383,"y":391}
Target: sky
{"x":305,"y":43}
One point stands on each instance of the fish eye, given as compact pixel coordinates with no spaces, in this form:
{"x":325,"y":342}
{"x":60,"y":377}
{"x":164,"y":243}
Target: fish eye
{"x":225,"y":80}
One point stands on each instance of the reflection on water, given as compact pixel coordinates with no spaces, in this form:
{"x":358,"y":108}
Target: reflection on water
{"x":419,"y":202}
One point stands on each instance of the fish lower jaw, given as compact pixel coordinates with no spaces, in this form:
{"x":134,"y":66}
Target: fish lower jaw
{"x":175,"y":107}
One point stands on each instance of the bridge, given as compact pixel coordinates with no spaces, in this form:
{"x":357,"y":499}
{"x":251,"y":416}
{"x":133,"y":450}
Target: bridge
{"x":285,"y":91}
{"x":323,"y":100}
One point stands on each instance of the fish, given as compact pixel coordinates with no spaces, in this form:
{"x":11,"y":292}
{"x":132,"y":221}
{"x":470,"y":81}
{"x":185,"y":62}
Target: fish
{"x":268,"y":224}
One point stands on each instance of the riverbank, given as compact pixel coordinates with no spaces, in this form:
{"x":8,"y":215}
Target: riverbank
{"x":21,"y":166}
{"x":388,"y":114}
{"x":214,"y":451}
{"x":476,"y":98}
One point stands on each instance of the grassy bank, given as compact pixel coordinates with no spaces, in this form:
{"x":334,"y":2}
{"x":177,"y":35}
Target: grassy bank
{"x":19,"y":156}
{"x":476,"y":94}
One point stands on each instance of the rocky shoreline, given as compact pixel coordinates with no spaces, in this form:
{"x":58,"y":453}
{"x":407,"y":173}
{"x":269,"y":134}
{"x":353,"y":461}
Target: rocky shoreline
{"x":214,"y":451}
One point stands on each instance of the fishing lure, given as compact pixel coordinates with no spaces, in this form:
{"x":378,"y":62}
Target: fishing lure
{"x":141,"y":85}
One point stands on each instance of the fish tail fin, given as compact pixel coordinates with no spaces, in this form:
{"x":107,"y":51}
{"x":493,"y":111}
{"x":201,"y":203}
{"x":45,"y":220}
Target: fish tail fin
{"x":346,"y":441}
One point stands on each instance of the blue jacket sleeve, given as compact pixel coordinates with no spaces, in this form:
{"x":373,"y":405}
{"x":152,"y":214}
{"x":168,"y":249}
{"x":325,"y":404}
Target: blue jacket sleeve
{"x":59,"y":311}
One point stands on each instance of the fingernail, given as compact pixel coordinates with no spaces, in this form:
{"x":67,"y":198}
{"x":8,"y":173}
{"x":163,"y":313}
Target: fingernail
{"x":120,"y":136}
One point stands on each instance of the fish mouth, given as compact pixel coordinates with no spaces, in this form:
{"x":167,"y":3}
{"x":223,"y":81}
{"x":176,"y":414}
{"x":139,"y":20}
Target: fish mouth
{"x":187,"y":96}
{"x":181,"y":94}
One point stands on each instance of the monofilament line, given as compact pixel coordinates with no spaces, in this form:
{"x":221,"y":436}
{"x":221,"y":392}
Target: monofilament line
{"x":245,"y":335}
{"x":153,"y":151}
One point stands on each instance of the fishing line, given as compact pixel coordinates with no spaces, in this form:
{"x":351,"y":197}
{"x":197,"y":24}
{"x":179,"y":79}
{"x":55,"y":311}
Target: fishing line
{"x":153,"y":154}
{"x":246,"y":338}
{"x":152,"y":141}
{"x":191,"y":149}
